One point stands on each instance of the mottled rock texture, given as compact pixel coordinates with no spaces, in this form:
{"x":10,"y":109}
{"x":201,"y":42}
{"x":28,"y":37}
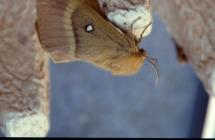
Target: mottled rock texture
{"x":130,"y":15}
{"x":24,"y":105}
{"x":192,"y":24}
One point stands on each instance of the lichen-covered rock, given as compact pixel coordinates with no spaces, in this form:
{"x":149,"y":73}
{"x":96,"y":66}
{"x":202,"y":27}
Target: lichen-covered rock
{"x":127,"y":13}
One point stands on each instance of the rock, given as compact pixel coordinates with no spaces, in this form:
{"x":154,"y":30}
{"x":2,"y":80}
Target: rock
{"x":191,"y":23}
{"x":24,"y":98}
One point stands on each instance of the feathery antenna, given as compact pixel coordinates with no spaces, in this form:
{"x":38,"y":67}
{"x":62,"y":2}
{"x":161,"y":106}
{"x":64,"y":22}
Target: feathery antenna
{"x":153,"y":63}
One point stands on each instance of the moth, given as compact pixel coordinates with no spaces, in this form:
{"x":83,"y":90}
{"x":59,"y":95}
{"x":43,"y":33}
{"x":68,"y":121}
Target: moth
{"x":71,"y":30}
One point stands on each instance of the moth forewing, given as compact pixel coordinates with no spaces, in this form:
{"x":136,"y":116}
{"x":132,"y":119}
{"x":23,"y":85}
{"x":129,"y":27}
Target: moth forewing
{"x":54,"y":28}
{"x":72,"y":30}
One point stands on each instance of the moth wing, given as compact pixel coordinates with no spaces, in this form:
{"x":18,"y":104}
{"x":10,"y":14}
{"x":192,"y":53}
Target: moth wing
{"x":54,"y":27}
{"x":104,"y":45}
{"x":62,"y":28}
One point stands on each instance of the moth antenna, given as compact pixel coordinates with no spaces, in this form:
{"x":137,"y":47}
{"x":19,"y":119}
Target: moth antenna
{"x":132,"y":25}
{"x":141,"y":35}
{"x":154,"y":63}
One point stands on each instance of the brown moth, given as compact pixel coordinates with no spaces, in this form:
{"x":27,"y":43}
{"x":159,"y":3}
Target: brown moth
{"x":70,"y":30}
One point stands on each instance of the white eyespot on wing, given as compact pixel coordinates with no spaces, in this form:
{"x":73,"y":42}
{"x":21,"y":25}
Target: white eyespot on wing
{"x":89,"y":28}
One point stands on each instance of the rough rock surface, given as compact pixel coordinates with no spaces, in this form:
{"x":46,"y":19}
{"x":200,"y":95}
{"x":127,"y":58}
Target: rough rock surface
{"x":24,"y":105}
{"x":130,"y":15}
{"x":191,"y":22}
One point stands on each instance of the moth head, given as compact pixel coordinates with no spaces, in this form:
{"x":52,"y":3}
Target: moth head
{"x":143,"y":53}
{"x":132,"y":64}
